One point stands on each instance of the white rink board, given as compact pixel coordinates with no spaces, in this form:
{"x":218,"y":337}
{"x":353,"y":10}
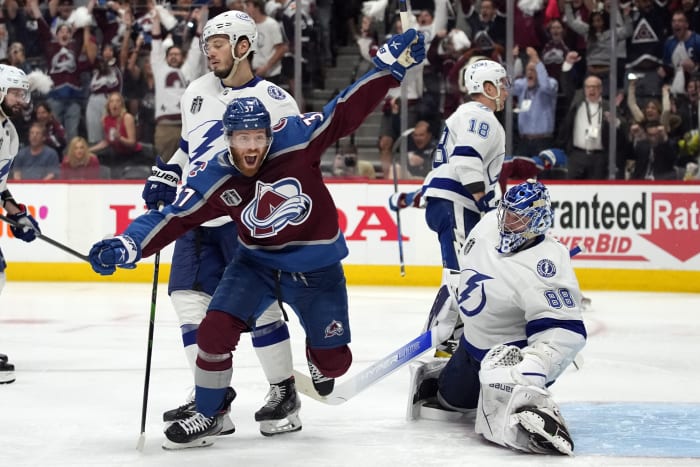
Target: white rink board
{"x":624,"y":226}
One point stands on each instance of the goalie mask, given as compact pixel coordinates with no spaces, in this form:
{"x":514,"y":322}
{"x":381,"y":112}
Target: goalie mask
{"x":524,"y":213}
{"x":248,"y":132}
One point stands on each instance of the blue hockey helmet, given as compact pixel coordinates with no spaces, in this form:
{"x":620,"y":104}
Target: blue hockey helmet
{"x":242,"y":115}
{"x":524,"y":213}
{"x":246,"y":114}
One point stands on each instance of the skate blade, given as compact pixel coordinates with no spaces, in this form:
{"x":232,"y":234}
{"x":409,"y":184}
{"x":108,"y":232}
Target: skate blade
{"x":198,"y":443}
{"x":228,"y":428}
{"x":7,"y":378}
{"x":278,"y":427}
{"x":531,"y":423}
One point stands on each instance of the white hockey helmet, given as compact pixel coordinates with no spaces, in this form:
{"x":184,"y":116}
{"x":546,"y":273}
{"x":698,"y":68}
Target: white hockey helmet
{"x":234,"y":24}
{"x":484,"y":71}
{"x":13,"y":78}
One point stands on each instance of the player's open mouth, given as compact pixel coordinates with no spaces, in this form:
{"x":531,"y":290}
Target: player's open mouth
{"x":250,"y":160}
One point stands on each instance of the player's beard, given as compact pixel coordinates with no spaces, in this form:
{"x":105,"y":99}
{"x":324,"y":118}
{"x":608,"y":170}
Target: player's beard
{"x":8,"y":111}
{"x":225,"y":73}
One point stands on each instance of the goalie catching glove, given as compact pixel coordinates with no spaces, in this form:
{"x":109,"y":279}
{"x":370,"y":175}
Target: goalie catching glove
{"x":161,"y":186}
{"x":401,"y":52}
{"x":27,"y":227}
{"x":109,"y":253}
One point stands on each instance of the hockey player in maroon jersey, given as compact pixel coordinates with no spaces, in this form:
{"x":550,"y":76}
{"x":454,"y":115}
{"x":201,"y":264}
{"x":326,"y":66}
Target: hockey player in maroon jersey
{"x":270,"y":182}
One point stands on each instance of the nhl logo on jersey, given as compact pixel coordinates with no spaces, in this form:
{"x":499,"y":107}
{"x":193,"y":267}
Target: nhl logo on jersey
{"x":334,"y":329}
{"x":546,"y":268}
{"x":231,"y":198}
{"x":196,"y":105}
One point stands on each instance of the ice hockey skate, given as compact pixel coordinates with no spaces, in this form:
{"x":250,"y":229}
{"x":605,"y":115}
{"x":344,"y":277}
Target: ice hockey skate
{"x":280,"y":414}
{"x":197,"y":430}
{"x":7,"y":370}
{"x":549,"y":433}
{"x":322,"y":384}
{"x":188,"y":409}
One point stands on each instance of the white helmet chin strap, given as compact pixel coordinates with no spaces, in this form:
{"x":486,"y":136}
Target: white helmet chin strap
{"x":497,"y":98}
{"x":236,"y":61}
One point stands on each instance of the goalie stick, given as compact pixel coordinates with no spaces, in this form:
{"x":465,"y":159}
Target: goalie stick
{"x":371,"y":375}
{"x":49,"y":240}
{"x":384,"y":367}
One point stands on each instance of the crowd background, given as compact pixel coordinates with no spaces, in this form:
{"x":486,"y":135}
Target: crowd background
{"x":117,"y":68}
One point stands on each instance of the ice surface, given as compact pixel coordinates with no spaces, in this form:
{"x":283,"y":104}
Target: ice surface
{"x":80,"y":349}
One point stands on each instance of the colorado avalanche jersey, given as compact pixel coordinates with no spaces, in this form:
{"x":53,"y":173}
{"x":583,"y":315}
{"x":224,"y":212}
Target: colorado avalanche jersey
{"x":519,"y":298}
{"x":471,"y":149}
{"x":285,"y":214}
{"x":203,"y":105}
{"x":9,"y":145}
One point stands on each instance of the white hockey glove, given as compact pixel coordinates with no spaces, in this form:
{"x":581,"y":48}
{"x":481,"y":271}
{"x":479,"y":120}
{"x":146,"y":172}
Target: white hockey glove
{"x":400,"y":53}
{"x":109,"y":253}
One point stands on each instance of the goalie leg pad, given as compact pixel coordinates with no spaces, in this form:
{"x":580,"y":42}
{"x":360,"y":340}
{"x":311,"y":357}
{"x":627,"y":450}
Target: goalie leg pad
{"x":548,"y":429}
{"x":423,"y":385}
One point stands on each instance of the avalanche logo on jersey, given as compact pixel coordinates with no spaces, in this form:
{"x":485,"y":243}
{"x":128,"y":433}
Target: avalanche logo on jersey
{"x":472,"y":298}
{"x":275,"y":206}
{"x":334,"y":329}
{"x":546,"y":268}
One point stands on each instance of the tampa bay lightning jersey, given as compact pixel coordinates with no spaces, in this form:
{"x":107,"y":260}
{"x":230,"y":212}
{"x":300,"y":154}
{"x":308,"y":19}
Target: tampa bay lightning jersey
{"x":9,"y":145}
{"x":203,"y":105}
{"x":285,"y":214}
{"x":471,"y":149}
{"x":518,"y":298}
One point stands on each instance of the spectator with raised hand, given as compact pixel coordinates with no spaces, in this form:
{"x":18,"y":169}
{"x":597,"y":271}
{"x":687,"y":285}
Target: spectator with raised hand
{"x":681,"y":55}
{"x":537,"y":105}
{"x":36,"y":161}
{"x":79,"y":163}
{"x":555,"y":49}
{"x":597,"y":34}
{"x":172,"y":72}
{"x":106,"y":79}
{"x":63,"y":51}
{"x":486,"y":27}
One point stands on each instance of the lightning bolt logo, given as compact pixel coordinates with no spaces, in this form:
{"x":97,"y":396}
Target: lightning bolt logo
{"x":207,"y":141}
{"x":467,"y":297}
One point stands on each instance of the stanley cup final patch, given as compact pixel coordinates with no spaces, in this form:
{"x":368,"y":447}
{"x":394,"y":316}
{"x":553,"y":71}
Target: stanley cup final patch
{"x":196,"y":105}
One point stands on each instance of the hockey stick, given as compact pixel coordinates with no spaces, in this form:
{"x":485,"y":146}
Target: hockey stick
{"x":48,"y":240}
{"x":149,"y":350}
{"x":371,"y":375}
